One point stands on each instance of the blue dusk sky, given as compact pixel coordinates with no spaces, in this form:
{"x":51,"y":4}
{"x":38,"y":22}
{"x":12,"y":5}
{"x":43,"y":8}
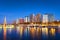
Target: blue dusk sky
{"x":14,"y":9}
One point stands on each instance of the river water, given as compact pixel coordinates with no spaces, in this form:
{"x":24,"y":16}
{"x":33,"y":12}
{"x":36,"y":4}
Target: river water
{"x":33,"y":33}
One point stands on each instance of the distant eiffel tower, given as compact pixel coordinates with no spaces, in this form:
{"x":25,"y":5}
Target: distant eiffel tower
{"x":4,"y":28}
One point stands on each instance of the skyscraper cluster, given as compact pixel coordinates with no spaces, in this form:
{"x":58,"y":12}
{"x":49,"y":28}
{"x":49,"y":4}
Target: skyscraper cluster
{"x":36,"y":18}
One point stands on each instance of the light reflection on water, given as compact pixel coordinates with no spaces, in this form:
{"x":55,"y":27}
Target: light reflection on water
{"x":45,"y":31}
{"x":21,"y":31}
{"x":31,"y":33}
{"x":52,"y":31}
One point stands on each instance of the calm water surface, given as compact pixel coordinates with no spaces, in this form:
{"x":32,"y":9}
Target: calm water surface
{"x":27,"y":33}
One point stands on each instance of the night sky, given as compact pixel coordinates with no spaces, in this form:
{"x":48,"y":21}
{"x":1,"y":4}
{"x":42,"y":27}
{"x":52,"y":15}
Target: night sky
{"x":14,"y":9}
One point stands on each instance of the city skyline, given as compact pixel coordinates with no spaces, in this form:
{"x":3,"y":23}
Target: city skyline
{"x":29,"y":19}
{"x":45,"y":18}
{"x":17,"y":9}
{"x":34,"y":18}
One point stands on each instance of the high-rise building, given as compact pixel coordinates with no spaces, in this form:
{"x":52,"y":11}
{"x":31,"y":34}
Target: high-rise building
{"x":45,"y":18}
{"x":32,"y":18}
{"x":37,"y":18}
{"x":26,"y":19}
{"x":41,"y":18}
{"x":21,"y":20}
{"x":48,"y":18}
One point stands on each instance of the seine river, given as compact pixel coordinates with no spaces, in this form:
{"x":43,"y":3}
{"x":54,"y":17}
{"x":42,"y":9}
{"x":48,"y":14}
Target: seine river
{"x":33,"y":33}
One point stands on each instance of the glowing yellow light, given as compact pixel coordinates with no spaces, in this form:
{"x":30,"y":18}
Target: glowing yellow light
{"x":0,"y":27}
{"x":31,"y":23}
{"x":9,"y":26}
{"x":45,"y":31}
{"x":12,"y":26}
{"x":34,"y":28}
{"x":38,"y":31}
{"x":52,"y":31}
{"x":21,"y":31}
{"x":4,"y":28}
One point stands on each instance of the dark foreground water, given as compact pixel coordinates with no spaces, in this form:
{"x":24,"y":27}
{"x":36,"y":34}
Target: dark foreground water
{"x":30,"y":33}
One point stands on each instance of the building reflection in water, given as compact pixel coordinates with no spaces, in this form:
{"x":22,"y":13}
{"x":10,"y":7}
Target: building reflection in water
{"x":4,"y":29}
{"x":21,"y":31}
{"x":58,"y":30}
{"x":33,"y":32}
{"x":52,"y":31}
{"x":18,"y":29}
{"x":10,"y":30}
{"x":38,"y":33}
{"x":45,"y":31}
{"x":26,"y":31}
{"x":0,"y":30}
